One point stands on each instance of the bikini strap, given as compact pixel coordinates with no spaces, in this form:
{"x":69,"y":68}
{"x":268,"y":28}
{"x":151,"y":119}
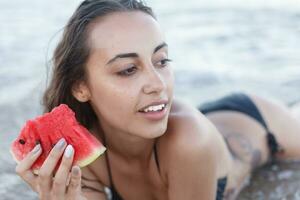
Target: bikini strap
{"x":156,"y":156}
{"x":108,"y":164}
{"x":114,"y":193}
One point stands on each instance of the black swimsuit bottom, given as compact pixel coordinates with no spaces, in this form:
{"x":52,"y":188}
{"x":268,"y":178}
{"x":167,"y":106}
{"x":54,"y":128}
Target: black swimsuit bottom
{"x":235,"y":102}
{"x":242,"y":103}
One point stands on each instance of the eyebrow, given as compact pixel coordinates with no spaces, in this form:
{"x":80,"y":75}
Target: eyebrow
{"x":134,"y":55}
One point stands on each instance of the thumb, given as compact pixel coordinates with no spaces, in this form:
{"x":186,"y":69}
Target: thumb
{"x":74,"y":188}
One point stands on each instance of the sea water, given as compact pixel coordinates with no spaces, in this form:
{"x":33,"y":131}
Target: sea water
{"x":217,"y":47}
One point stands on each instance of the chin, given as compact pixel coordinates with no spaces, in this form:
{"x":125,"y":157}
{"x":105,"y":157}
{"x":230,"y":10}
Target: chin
{"x":155,"y":131}
{"x":151,"y":130}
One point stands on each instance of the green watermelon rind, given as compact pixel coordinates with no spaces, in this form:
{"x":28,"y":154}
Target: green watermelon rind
{"x":92,"y":158}
{"x":98,"y":152}
{"x":97,"y":147}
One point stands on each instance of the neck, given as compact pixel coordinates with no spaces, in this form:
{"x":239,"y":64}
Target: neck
{"x":125,"y":146}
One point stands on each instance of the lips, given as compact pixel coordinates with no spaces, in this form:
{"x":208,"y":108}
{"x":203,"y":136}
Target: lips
{"x":155,"y":116}
{"x":154,"y":103}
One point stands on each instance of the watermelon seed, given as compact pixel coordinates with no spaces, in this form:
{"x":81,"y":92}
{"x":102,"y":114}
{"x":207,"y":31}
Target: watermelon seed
{"x":37,"y":142}
{"x":21,"y":141}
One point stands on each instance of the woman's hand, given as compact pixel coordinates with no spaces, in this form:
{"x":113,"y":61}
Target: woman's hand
{"x":64,"y":185}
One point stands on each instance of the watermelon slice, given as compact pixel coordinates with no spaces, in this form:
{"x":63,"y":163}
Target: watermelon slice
{"x":48,"y":129}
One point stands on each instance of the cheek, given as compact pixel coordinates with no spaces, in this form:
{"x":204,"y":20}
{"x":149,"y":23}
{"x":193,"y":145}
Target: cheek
{"x":114,"y":102}
{"x":169,"y":78}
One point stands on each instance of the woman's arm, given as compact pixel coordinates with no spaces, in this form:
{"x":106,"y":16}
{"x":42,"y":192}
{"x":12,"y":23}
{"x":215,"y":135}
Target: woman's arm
{"x":192,"y":173}
{"x":193,"y":151}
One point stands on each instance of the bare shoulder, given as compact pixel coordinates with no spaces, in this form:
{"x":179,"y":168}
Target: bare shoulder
{"x":190,"y":134}
{"x":190,"y":150}
{"x":188,"y":126}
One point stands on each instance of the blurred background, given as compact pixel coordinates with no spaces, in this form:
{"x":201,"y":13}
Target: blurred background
{"x":217,"y":46}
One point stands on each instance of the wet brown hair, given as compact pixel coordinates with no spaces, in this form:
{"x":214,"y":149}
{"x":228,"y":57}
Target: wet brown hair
{"x":72,"y":52}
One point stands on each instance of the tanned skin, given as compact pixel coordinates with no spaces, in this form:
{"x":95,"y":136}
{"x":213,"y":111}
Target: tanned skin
{"x":126,"y":71}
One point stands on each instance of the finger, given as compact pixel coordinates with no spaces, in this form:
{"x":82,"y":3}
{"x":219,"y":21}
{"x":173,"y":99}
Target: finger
{"x":74,"y":187}
{"x":61,"y":176}
{"x":23,"y":169}
{"x":68,"y":179}
{"x":46,"y":171}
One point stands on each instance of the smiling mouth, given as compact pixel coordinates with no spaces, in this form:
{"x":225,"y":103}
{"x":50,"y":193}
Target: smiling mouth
{"x":155,"y":113}
{"x":154,"y":108}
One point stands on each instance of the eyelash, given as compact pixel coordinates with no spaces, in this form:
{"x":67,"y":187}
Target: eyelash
{"x":123,"y":73}
{"x":166,"y":61}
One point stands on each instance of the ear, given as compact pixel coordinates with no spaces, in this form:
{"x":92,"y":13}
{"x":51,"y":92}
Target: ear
{"x":81,"y":91}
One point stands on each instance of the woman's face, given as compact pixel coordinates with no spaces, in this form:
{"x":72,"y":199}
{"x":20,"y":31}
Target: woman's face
{"x":127,"y":70}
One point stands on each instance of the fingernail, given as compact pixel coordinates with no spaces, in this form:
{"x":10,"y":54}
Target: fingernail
{"x":69,"y":151}
{"x":36,"y":148}
{"x":61,"y":143}
{"x":75,"y":170}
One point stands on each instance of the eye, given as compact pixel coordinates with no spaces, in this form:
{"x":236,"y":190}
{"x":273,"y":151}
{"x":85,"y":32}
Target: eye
{"x":164,"y":62}
{"x":127,"y":72}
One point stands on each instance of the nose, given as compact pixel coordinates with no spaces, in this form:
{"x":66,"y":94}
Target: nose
{"x":155,"y":82}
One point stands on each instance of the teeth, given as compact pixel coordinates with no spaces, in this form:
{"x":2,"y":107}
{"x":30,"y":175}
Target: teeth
{"x":154,"y":108}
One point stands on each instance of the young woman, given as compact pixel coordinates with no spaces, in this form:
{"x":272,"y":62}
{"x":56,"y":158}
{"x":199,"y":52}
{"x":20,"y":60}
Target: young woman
{"x":112,"y":68}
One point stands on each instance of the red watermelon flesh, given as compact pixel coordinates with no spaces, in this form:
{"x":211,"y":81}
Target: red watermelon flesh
{"x":51,"y":127}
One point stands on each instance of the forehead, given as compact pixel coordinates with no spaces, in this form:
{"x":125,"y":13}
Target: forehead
{"x":125,"y":32}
